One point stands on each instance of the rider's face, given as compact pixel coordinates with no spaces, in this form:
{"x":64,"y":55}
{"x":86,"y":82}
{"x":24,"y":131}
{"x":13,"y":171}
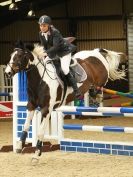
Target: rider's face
{"x":44,"y":28}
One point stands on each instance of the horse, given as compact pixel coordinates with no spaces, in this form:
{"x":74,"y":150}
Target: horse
{"x":46,"y":91}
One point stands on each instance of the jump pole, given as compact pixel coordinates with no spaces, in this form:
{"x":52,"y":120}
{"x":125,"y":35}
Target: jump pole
{"x":95,"y":109}
{"x":122,"y":104}
{"x":92,"y":146}
{"x":6,"y":94}
{"x":113,"y":92}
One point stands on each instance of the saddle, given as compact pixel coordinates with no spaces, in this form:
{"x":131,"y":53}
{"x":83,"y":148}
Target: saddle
{"x":75,"y":69}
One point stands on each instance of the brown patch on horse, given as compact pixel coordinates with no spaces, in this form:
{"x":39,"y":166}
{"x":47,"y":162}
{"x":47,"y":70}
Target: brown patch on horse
{"x":93,"y":68}
{"x":58,"y":98}
{"x":30,"y":106}
{"x":43,"y":98}
{"x":94,"y":72}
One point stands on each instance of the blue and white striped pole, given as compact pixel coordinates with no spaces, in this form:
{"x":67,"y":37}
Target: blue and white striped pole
{"x":99,"y":114}
{"x":98,"y":128}
{"x":95,"y":109}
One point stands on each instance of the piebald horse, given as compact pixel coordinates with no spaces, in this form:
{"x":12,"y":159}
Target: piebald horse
{"x":45,"y":90}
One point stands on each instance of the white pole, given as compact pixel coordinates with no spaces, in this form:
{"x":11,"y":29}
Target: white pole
{"x":72,"y":104}
{"x":86,"y":99}
{"x":100,"y":99}
{"x":46,"y":131}
{"x":36,"y":119}
{"x":15,"y":100}
{"x":54,"y":125}
{"x":60,"y":125}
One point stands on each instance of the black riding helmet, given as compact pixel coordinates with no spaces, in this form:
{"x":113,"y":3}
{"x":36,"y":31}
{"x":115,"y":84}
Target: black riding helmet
{"x":45,"y":20}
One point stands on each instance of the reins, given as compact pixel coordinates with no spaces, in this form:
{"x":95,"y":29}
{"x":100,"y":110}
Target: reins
{"x":45,"y":68}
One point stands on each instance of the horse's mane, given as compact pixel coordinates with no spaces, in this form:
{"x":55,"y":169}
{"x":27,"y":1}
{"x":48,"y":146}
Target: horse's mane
{"x":38,"y":51}
{"x":113,"y":59}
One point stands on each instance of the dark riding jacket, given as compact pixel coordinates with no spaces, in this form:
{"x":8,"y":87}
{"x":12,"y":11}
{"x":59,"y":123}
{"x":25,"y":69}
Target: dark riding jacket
{"x":56,"y":44}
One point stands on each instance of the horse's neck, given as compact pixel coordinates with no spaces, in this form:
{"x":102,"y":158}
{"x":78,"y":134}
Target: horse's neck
{"x":46,"y":69}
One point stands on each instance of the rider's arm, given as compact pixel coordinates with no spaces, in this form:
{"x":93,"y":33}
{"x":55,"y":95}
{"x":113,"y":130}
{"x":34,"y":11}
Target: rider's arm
{"x":58,"y":43}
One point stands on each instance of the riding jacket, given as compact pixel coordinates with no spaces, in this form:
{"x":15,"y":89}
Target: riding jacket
{"x":55,"y":44}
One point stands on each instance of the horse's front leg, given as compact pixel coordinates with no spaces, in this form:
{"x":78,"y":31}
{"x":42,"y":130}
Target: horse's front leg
{"x":42,"y":128}
{"x":23,"y":137}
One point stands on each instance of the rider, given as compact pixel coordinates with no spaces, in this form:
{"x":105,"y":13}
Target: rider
{"x":55,"y":45}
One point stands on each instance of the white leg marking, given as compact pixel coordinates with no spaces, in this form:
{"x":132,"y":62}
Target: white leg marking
{"x":29,"y":118}
{"x":43,"y":127}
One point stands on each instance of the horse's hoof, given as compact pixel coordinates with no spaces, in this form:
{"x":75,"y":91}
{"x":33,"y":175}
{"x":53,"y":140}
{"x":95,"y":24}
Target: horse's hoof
{"x":34,"y":160}
{"x":18,"y":147}
{"x":18,"y":150}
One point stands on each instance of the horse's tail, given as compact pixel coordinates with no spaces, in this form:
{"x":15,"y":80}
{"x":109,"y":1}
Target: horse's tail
{"x":114,"y":60}
{"x":117,"y":74}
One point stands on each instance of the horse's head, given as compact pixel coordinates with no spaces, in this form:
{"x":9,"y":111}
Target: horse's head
{"x":19,"y":60}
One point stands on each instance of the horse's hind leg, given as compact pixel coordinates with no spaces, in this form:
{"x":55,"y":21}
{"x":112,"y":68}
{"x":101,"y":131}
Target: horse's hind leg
{"x":95,"y":96}
{"x":92,"y":95}
{"x":23,"y":137}
{"x":99,"y":98}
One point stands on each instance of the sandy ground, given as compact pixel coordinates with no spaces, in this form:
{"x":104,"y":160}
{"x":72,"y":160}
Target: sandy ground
{"x":61,"y":164}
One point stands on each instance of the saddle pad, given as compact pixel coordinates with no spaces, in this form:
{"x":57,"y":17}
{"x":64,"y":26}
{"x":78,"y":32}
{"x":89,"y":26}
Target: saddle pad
{"x":80,"y":74}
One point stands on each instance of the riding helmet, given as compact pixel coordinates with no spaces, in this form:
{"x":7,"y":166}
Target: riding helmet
{"x":45,"y":20}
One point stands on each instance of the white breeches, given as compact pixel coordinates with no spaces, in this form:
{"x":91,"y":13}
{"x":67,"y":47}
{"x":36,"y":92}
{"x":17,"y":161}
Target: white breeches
{"x":65,"y":63}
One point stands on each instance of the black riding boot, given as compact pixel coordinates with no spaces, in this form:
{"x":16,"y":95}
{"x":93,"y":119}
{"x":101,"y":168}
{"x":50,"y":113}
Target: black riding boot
{"x":73,"y":83}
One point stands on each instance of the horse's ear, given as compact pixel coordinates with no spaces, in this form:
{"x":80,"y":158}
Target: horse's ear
{"x":29,"y":46}
{"x":19,"y":44}
{"x":29,"y":56}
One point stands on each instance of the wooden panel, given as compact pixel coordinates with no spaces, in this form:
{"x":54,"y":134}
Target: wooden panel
{"x":58,"y":10}
{"x":5,"y":52}
{"x":130,"y":50}
{"x":119,"y":46}
{"x":100,"y":29}
{"x":94,"y":7}
{"x":24,"y":30}
{"x":128,"y":6}
{"x":62,"y":26}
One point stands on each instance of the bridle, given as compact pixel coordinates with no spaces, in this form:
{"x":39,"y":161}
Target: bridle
{"x":30,"y":67}
{"x":19,"y":65}
{"x":9,"y":64}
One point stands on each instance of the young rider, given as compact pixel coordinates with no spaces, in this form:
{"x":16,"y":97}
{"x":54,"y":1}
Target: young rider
{"x":55,"y":45}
